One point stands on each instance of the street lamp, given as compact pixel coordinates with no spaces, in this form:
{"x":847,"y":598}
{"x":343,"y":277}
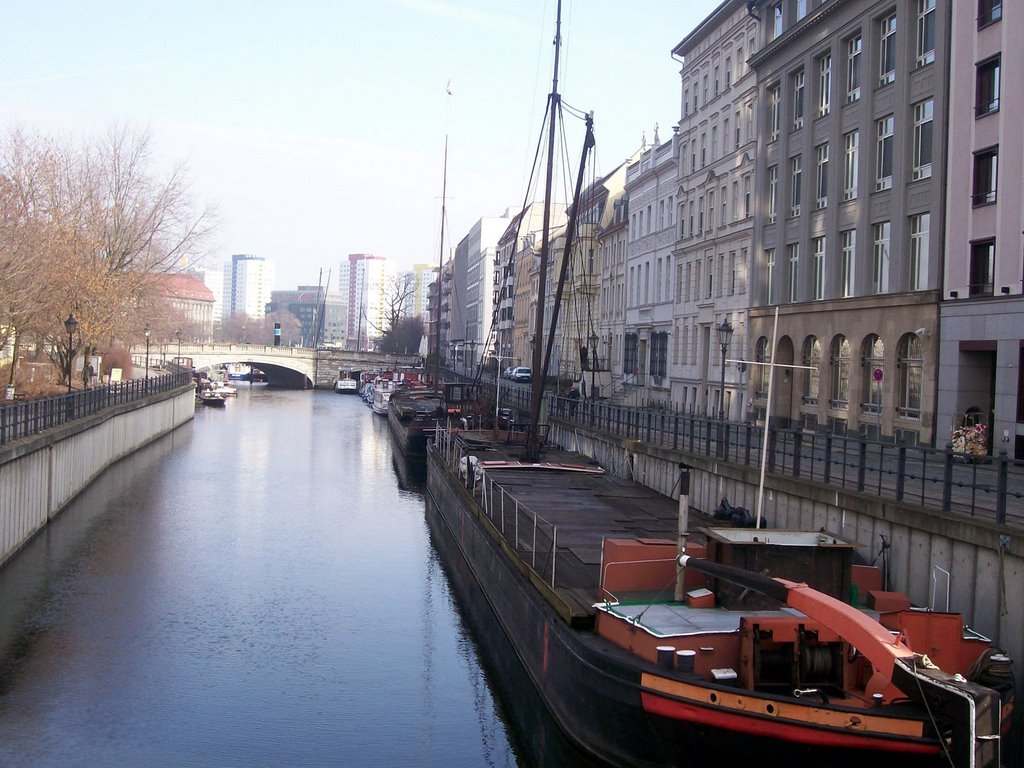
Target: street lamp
{"x":70,"y":325}
{"x":147,"y":358}
{"x":724,"y":331}
{"x":177,"y":335}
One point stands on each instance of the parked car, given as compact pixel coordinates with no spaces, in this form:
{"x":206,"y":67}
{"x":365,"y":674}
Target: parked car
{"x":507,"y":373}
{"x":522,"y":374}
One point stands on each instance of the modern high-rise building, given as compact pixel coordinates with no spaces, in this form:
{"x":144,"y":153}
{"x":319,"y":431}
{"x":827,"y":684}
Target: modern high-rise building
{"x":364,"y":277}
{"x":248,"y":281}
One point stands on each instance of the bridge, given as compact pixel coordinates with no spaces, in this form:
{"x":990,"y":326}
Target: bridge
{"x":290,"y":367}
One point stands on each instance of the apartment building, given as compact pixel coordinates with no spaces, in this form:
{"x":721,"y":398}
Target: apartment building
{"x":847,"y":231}
{"x":715,"y":214}
{"x":982,"y":312}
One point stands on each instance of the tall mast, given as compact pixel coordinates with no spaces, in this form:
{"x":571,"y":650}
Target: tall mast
{"x":533,"y":441}
{"x":440,"y":255}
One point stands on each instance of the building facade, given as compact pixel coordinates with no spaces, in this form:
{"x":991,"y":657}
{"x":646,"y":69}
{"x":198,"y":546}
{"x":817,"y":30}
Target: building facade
{"x":982,"y":311}
{"x":851,"y":188}
{"x":715,"y":210}
{"x":248,"y":281}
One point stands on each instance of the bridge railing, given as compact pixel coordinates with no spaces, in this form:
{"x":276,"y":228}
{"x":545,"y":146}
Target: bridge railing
{"x":24,"y":418}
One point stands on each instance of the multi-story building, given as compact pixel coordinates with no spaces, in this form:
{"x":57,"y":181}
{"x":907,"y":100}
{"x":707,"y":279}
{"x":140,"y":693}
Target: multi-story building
{"x":191,"y":303}
{"x":321,"y":315}
{"x":613,"y":241}
{"x":981,"y":352}
{"x":474,"y":291}
{"x":715,"y":149}
{"x":651,"y":188}
{"x":851,"y":188}
{"x":363,"y":277}
{"x":248,"y":281}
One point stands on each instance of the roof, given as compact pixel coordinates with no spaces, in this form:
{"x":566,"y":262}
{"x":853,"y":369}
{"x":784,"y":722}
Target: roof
{"x":186,"y":287}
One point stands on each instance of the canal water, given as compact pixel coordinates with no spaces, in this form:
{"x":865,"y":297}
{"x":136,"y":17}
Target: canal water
{"x":257,"y":589}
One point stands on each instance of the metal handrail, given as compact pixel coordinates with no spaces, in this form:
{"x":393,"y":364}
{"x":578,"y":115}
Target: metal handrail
{"x":24,"y":418}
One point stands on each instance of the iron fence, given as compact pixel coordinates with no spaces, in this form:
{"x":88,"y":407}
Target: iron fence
{"x":24,"y":418}
{"x":989,"y":487}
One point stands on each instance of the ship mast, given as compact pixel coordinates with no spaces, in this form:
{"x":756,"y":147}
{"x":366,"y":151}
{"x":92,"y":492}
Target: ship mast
{"x":440,"y":256}
{"x":537,"y":385}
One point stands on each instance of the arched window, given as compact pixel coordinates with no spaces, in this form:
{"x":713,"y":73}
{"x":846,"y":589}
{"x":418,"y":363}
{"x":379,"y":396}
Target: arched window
{"x":909,"y":362}
{"x":761,"y":355}
{"x":839,"y":364}
{"x":812,"y":375}
{"x":872,"y":371}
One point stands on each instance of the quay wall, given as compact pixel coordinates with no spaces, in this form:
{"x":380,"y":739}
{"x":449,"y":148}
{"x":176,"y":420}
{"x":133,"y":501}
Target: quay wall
{"x":979,"y":563}
{"x":42,"y":474}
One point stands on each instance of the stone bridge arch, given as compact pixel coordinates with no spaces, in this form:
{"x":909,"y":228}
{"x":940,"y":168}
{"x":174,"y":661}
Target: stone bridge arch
{"x":288,"y":367}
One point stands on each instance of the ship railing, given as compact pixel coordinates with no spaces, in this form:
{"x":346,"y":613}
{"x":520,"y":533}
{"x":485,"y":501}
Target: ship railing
{"x":528,"y":533}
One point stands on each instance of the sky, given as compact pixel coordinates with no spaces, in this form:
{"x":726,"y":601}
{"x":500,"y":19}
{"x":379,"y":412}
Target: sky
{"x":317,"y":128}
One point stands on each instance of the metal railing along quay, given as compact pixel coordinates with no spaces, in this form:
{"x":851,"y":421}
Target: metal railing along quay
{"x":989,"y":487}
{"x":23,"y":418}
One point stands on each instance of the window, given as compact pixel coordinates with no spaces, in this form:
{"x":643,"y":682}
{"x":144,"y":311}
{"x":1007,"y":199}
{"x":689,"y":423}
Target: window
{"x":851,"y":142}
{"x":824,"y":84}
{"x":854,"y":47}
{"x":801,"y":9}
{"x":925,"y":32}
{"x":986,"y":99}
{"x":920,"y":225}
{"x":839,"y":364}
{"x":659,"y":354}
{"x":773,"y":190}
{"x":797,"y":82}
{"x":775,"y":14}
{"x":737,"y":140}
{"x":732,"y":273}
{"x":705,"y":81}
{"x":728,"y":71}
{"x":769,"y":277}
{"x":629,"y":353}
{"x":821,"y":151}
{"x":909,"y":362}
{"x":880,"y":259}
{"x":872,"y":373}
{"x":703,"y":150}
{"x":746,"y":196}
{"x":795,"y":174}
{"x":717,"y":76}
{"x":763,"y":371}
{"x":686,"y":102}
{"x":794,"y":272}
{"x":989,"y":11}
{"x":923,"y":113}
{"x":774,"y":94}
{"x":986,"y":171}
{"x":982,"y":262}
{"x":812,"y":373}
{"x":711,"y":210}
{"x":849,"y":262}
{"x":883,"y":150}
{"x":725,"y":134}
{"x":819,"y":268}
{"x":887,"y":49}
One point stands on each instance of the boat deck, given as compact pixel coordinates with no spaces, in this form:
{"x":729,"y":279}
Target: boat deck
{"x":584,"y":508}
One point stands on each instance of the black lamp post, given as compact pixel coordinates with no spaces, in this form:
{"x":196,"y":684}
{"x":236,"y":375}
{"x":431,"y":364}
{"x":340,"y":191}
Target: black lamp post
{"x":724,"y":335}
{"x":70,"y":325}
{"x":147,"y":357}
{"x":177,"y":335}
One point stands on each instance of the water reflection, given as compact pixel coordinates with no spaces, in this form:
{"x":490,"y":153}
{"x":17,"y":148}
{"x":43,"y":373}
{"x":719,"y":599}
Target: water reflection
{"x":257,"y":589}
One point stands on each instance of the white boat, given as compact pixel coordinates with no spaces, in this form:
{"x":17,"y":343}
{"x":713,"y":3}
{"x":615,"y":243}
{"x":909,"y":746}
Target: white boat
{"x":224,"y":389}
{"x":346,"y":386}
{"x":382,"y":390}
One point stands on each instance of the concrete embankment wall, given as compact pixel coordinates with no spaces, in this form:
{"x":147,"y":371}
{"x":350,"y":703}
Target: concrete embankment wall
{"x":982,"y":563}
{"x":41,"y":474}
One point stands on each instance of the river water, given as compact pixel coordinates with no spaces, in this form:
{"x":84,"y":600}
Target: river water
{"x":256,"y":589}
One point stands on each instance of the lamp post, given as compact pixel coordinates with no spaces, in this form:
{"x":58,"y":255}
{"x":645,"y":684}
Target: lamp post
{"x":147,"y":358}
{"x":177,"y":335}
{"x":70,"y":325}
{"x":724,"y":331}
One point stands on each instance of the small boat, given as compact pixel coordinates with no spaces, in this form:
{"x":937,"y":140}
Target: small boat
{"x":210,"y":398}
{"x":412,"y":417}
{"x":224,"y":389}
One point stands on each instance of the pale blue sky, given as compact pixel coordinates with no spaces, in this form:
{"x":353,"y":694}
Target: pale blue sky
{"x":317,"y":128}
